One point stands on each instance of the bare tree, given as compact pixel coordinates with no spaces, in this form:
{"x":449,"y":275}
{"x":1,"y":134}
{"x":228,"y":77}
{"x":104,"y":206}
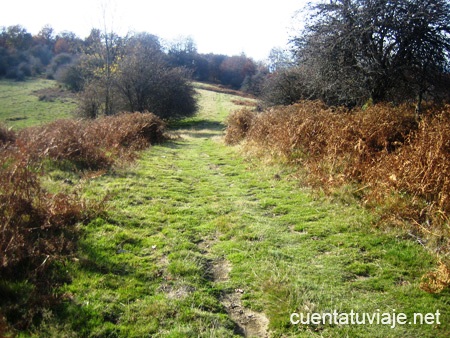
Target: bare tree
{"x":286,"y":86}
{"x":145,"y":80}
{"x":102,"y":51}
{"x":279,"y":59}
{"x":378,"y":49}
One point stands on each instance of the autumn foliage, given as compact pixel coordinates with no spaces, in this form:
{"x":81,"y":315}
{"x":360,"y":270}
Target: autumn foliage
{"x":93,"y":144}
{"x":39,"y":229}
{"x":394,"y":163}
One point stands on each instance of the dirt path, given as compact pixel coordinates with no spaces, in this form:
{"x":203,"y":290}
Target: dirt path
{"x":201,"y":242}
{"x":248,"y":323}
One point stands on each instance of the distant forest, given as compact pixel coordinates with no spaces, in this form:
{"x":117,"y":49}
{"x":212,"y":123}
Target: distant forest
{"x":47,"y":53}
{"x":348,"y":53}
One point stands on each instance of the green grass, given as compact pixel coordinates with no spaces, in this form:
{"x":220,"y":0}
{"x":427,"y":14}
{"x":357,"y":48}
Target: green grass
{"x":147,"y":268}
{"x":21,"y":107}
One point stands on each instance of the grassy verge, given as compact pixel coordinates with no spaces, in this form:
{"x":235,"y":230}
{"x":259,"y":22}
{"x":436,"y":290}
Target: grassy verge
{"x":381,"y":157}
{"x":40,"y":218}
{"x":32,"y":102}
{"x":195,"y":231}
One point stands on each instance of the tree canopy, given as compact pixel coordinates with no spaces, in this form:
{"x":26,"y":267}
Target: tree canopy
{"x":385,"y":50}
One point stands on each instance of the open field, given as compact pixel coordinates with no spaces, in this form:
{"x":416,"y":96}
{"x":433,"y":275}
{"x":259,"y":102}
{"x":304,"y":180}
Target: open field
{"x":32,"y":102}
{"x":199,"y":241}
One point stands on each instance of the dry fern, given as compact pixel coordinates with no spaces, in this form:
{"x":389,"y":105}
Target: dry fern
{"x":436,"y":281}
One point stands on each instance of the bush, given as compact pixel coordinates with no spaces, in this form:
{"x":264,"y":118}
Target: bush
{"x":74,"y":74}
{"x":238,"y":124}
{"x":38,"y":231}
{"x":91,"y":100}
{"x":145,"y":82}
{"x":60,"y":60}
{"x":126,"y":133}
{"x":286,"y":86}
{"x":35,"y":225}
{"x":312,"y":128}
{"x":93,"y":144}
{"x":64,"y":140}
{"x":421,"y":169}
{"x":174,"y":95}
{"x":14,"y":73}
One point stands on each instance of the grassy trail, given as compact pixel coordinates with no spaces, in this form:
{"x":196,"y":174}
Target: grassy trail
{"x":200,"y":242}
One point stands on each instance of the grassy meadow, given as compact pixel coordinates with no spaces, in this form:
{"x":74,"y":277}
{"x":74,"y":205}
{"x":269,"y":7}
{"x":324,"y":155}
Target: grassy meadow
{"x":33,"y":102}
{"x":200,"y":240}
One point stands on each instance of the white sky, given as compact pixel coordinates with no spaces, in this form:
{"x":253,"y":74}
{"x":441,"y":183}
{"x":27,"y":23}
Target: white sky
{"x":228,"y":27}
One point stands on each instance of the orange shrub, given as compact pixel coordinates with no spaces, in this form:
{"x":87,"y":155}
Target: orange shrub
{"x":133,"y":131}
{"x":34,"y":223}
{"x":39,"y":229}
{"x":313,"y":129}
{"x":401,"y":165}
{"x":64,"y":140}
{"x":421,"y":168}
{"x":238,"y":125}
{"x":92,"y":144}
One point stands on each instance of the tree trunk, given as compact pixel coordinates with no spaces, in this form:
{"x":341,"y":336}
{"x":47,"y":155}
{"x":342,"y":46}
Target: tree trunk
{"x":419,"y":104}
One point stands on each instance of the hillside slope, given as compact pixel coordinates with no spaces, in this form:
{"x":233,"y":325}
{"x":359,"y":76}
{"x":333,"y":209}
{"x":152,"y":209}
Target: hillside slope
{"x":201,"y":242}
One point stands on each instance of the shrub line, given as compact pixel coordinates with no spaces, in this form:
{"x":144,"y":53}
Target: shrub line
{"x":399,"y":165}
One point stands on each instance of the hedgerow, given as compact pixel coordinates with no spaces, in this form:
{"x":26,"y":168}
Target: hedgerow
{"x":39,"y":229}
{"x":399,"y":166}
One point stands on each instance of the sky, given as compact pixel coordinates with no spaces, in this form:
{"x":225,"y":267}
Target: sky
{"x":228,"y":27}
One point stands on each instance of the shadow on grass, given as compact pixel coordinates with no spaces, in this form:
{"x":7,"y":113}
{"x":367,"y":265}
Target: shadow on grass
{"x":198,"y":128}
{"x":85,"y":318}
{"x":196,"y":125}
